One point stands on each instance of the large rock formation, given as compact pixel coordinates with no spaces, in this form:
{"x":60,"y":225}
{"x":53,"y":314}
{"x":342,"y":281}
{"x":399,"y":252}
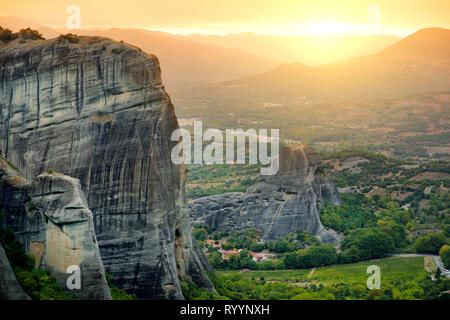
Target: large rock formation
{"x":50,"y":217}
{"x":96,"y":110}
{"x":10,"y":289}
{"x":278,"y":204}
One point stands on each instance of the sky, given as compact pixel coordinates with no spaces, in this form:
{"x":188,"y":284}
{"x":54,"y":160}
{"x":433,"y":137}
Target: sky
{"x":287,"y":17}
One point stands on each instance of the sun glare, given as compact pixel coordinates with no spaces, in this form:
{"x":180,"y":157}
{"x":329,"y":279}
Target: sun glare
{"x":327,"y":28}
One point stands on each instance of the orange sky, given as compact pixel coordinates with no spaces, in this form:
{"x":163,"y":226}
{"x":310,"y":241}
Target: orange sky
{"x":399,"y":17}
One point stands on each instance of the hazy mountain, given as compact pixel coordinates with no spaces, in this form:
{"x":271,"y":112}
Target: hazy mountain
{"x":189,"y":63}
{"x":417,"y":63}
{"x":15,"y":24}
{"x":183,"y":62}
{"x":308,"y":49}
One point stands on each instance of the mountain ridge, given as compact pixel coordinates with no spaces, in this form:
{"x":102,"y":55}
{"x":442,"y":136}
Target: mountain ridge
{"x":386,"y":74}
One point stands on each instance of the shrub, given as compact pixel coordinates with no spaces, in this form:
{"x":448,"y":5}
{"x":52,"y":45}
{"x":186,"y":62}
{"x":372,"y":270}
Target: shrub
{"x":72,"y":38}
{"x":29,"y":34}
{"x":7,"y":35}
{"x":40,"y":285}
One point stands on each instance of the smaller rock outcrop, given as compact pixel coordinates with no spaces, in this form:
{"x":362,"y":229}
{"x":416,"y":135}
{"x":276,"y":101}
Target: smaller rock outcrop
{"x":277,"y":205}
{"x":10,"y":289}
{"x":51,"y":219}
{"x":69,"y":234}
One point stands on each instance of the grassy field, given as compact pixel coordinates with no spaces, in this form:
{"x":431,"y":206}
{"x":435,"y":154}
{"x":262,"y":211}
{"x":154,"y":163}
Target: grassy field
{"x":392,"y":270}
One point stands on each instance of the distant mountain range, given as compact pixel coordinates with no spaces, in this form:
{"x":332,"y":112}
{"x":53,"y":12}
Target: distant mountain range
{"x":202,"y":66}
{"x":308,"y":49}
{"x":415,"y":64}
{"x":186,"y":63}
{"x":198,"y":59}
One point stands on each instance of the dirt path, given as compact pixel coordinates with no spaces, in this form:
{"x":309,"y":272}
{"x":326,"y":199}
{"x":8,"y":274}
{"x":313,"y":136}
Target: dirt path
{"x":311,"y":273}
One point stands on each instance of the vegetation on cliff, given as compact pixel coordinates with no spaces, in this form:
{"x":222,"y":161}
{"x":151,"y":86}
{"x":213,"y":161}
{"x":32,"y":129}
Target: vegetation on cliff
{"x":37,"y":283}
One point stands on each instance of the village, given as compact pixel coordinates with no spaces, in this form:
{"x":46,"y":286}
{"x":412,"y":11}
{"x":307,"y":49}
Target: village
{"x":226,"y":254}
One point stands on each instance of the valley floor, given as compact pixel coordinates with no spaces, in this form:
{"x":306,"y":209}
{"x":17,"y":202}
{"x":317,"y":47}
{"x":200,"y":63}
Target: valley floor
{"x":401,"y":278}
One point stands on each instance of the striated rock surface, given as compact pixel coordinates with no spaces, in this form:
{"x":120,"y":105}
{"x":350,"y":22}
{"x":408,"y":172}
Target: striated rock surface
{"x":96,"y":110}
{"x":10,"y":289}
{"x":50,"y":217}
{"x":277,"y":205}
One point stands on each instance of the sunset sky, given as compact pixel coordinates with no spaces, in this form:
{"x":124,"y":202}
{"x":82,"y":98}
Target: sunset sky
{"x":399,"y":17}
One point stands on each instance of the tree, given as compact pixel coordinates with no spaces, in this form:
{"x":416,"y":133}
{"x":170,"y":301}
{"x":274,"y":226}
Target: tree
{"x":430,"y":243}
{"x":200,"y":234}
{"x":215,"y":259}
{"x":369,"y":243}
{"x":444,"y":253}
{"x":281,"y":246}
{"x":323,"y":255}
{"x":290,"y":260}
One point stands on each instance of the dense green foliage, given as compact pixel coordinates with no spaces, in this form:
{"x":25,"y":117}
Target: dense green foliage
{"x":351,"y":215}
{"x":402,"y":278}
{"x":40,"y":285}
{"x":369,"y":243}
{"x":444,"y":253}
{"x":317,"y":256}
{"x":430,"y":243}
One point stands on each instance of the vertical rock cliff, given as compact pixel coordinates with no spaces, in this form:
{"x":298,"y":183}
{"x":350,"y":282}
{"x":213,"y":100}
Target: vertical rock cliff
{"x":96,"y":110}
{"x":277,"y":205}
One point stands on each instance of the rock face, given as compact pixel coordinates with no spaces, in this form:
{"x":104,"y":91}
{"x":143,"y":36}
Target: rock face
{"x":69,"y":235}
{"x":96,"y":110}
{"x":10,"y":289}
{"x":277,"y":205}
{"x":50,"y":217}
